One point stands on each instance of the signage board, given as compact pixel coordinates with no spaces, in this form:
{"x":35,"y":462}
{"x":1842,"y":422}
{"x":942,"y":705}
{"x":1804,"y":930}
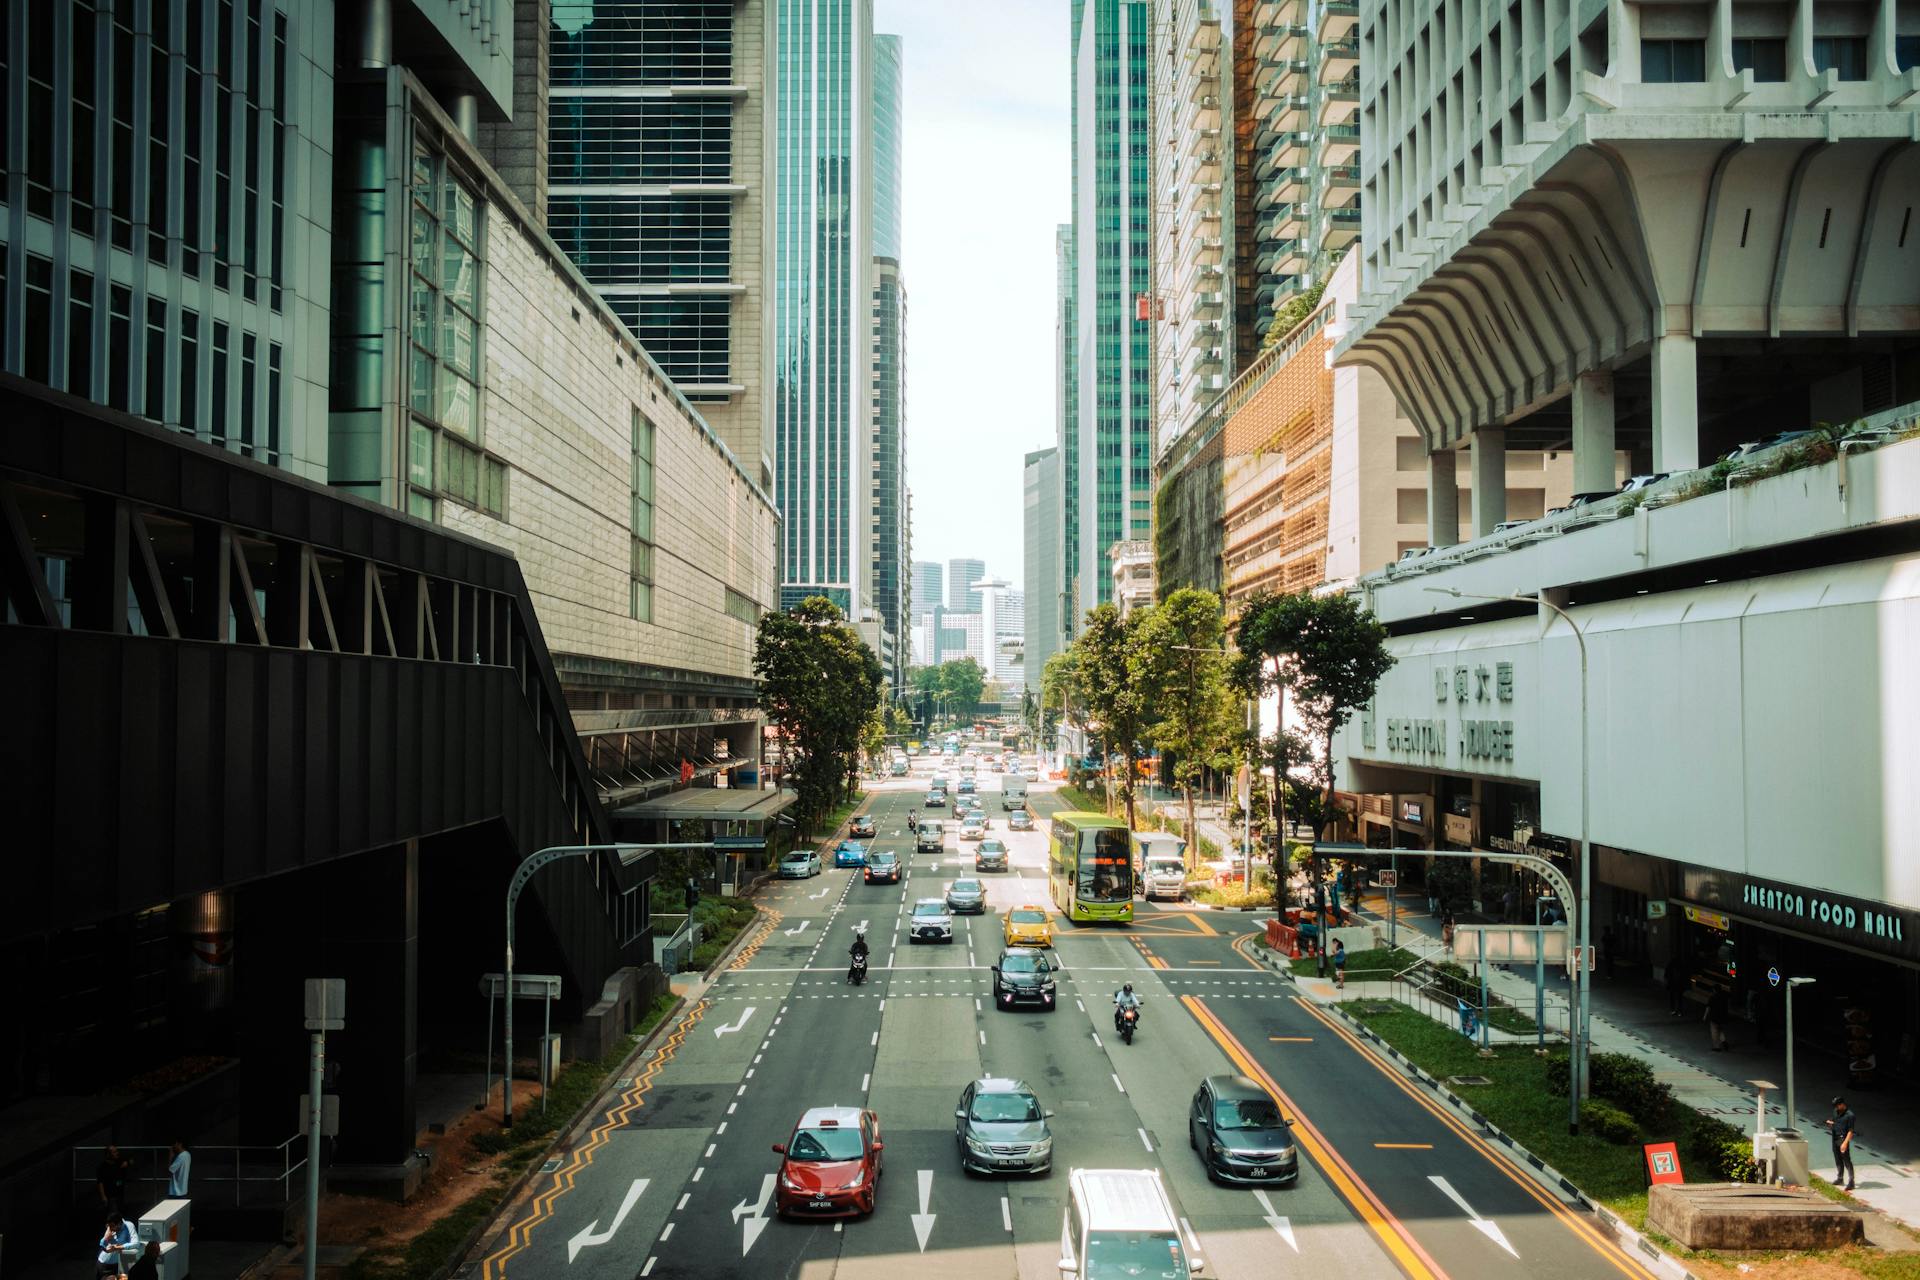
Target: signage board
{"x":1386,"y":879}
{"x":739,"y":842}
{"x":1656,"y":909}
{"x":1773,"y":976}
{"x":326,"y":1004}
{"x":1711,"y":919}
{"x":1663,"y":1163}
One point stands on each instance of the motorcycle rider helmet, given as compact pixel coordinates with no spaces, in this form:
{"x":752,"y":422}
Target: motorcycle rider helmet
{"x":1127,"y":988}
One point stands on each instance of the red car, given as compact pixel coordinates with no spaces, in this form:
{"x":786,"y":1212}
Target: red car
{"x":831,"y":1167}
{"x":862,"y":828}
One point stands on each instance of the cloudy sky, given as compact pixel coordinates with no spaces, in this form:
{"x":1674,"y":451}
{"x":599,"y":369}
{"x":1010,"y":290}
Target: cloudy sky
{"x":987,"y":180}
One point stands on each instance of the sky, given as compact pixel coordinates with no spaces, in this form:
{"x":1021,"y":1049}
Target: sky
{"x":987,"y":179}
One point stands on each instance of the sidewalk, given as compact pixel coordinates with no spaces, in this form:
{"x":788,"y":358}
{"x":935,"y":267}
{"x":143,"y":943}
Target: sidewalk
{"x":1631,"y":1017}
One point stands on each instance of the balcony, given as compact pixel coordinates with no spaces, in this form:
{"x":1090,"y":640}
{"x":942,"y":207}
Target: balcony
{"x":1339,"y":60}
{"x":1208,"y":305}
{"x":1338,"y":144}
{"x":1201,"y":166}
{"x":1340,"y":186}
{"x":1338,"y":228}
{"x":1338,"y":18}
{"x":1203,"y":105}
{"x":1283,"y":41}
{"x":1289,"y":113}
{"x":1208,"y":248}
{"x":1340,"y":103}
{"x":1279,"y":12}
{"x":1202,"y":139}
{"x":1283,"y":224}
{"x":1200,"y":361}
{"x":1278,"y":257}
{"x":1288,"y":151}
{"x":1286,"y":183}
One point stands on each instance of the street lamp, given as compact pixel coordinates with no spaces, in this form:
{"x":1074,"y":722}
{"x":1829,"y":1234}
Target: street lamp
{"x":1792,"y":1123}
{"x":1582,"y":1028}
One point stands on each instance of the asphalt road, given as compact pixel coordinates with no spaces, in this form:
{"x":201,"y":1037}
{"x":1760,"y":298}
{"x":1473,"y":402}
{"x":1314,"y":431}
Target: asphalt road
{"x":676,"y":1179}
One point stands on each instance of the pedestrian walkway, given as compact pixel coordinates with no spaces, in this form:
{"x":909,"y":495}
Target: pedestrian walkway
{"x":1632,"y":1017}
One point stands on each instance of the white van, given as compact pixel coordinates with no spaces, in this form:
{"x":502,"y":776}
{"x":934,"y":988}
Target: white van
{"x":1118,"y":1223}
{"x":1160,"y":864}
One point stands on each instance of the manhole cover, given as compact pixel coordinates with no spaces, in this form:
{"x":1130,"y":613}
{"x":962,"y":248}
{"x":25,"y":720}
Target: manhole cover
{"x":550,"y":1166}
{"x":1469,"y":1080}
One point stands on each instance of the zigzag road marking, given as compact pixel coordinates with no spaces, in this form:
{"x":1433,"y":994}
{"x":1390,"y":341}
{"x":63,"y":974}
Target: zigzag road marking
{"x":520,"y":1236}
{"x":752,"y":948}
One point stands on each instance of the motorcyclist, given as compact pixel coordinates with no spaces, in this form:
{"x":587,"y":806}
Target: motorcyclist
{"x":857,"y":952}
{"x":1124,"y":999}
{"x":913,"y":820}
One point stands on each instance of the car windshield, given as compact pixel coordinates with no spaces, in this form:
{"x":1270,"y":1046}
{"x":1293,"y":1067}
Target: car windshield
{"x":1025,"y":964}
{"x":1149,"y":1255}
{"x":1028,"y":917}
{"x":1246,"y":1113}
{"x":824,"y":1144}
{"x":964,"y":886}
{"x":798,"y":857}
{"x":929,"y":908}
{"x":1005,"y":1108}
{"x":992,"y":846}
{"x":881,"y":859}
{"x":1106,"y":866}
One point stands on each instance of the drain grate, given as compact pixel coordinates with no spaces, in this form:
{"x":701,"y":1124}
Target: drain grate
{"x":550,"y":1166}
{"x":1469,"y":1080}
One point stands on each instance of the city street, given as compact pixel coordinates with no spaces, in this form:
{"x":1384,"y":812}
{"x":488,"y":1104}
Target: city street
{"x":677,"y":1178}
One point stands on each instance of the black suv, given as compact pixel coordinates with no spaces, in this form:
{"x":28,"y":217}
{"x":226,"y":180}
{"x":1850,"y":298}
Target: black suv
{"x":883,"y":866}
{"x":1240,"y":1134}
{"x":1023,"y":975}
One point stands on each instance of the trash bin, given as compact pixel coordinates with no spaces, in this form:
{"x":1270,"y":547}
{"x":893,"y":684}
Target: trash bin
{"x":1790,"y":1157}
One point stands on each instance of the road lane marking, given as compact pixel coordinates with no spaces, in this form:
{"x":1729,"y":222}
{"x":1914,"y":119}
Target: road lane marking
{"x":666,"y":1232}
{"x":754,"y":1215}
{"x":1607,"y":1248}
{"x":797,"y":930}
{"x":1480,"y":1224}
{"x":866,"y":1080}
{"x":731,"y":1106}
{"x":684,"y":1197}
{"x":648,"y":1269}
{"x":722,"y":1129}
{"x":591,"y":1237}
{"x":520,"y":1235}
{"x":923,"y":1221}
{"x":983,"y":1037}
{"x":710,"y":1147}
{"x":1403,"y":1146}
{"x":1399,"y":1242}
{"x":1006,"y":1215}
{"x":1116,"y":1081}
{"x":1290,"y":1039}
{"x":1278,"y":1221}
{"x":698,"y":1172}
{"x":1096,"y":1041}
{"x":737,"y":1092}
{"x":1145,"y":1141}
{"x":874,"y":1041}
{"x":1203,"y":962}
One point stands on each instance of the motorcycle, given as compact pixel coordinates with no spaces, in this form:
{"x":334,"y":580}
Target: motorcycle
{"x":1127,"y":1019}
{"x":857,"y":972}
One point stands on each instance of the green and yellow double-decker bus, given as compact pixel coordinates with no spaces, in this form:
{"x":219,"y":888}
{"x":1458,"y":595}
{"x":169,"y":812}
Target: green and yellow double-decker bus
{"x":1090,"y":867}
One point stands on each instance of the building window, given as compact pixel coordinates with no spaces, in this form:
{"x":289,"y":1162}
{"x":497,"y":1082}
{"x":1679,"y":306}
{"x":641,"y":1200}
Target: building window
{"x":1844,"y":54}
{"x":473,"y":478}
{"x":742,"y":607}
{"x":1767,"y":59}
{"x":445,"y":306}
{"x":189,"y":372}
{"x":1906,"y":52}
{"x":640,"y":570}
{"x":1673,"y":61}
{"x":597,"y":42}
{"x":80,"y":333}
{"x":1410,"y":454}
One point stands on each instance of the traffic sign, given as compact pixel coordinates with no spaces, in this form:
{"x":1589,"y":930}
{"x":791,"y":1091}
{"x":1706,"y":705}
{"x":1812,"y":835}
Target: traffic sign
{"x":1773,"y":976}
{"x":1386,"y":879}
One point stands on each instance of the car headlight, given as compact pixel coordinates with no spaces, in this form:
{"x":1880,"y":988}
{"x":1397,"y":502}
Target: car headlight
{"x":787,"y":1183}
{"x":1047,"y":985}
{"x":976,"y":1146}
{"x":1043,"y":1147}
{"x":1219,"y":1152}
{"x":859,"y":1176}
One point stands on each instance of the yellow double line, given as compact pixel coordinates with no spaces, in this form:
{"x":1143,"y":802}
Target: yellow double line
{"x":520,"y":1236}
{"x":1586,"y":1230}
{"x":1399,"y":1242}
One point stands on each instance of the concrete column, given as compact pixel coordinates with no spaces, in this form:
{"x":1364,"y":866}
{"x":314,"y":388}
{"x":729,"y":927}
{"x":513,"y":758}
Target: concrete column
{"x":1489,"y":479}
{"x":1676,"y":404}
{"x":465,"y":110}
{"x":1593,"y":432}
{"x":1443,"y":499}
{"x":376,"y":33}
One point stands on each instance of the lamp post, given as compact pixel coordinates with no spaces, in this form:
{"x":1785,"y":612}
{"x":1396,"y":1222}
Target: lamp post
{"x":1582,"y":1024}
{"x":1792,"y":1123}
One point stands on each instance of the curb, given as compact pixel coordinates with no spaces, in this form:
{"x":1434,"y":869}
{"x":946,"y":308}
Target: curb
{"x":1648,"y":1254}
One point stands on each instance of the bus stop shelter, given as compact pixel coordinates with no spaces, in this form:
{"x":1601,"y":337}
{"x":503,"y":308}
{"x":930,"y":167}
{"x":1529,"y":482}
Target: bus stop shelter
{"x":749,"y":830}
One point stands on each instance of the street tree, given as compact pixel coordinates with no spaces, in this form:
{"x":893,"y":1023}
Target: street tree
{"x":1196,"y":724}
{"x":1326,"y":655}
{"x":820,"y":684}
{"x":1121,"y":678}
{"x":963,"y":680}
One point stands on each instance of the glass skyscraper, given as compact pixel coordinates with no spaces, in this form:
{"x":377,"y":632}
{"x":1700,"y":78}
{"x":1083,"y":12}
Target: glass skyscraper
{"x":1109,"y":434}
{"x":821,"y":319}
{"x":887,"y":506}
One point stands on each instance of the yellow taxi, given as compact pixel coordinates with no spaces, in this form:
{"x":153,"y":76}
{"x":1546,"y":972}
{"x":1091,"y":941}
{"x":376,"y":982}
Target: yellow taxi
{"x":1029,"y":926}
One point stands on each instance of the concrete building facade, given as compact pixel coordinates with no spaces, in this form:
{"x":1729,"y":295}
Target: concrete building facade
{"x":1040,"y":529}
{"x":1066,"y":437}
{"x":962,"y":595}
{"x":1130,"y":571}
{"x":1188,"y":299}
{"x":656,"y":188}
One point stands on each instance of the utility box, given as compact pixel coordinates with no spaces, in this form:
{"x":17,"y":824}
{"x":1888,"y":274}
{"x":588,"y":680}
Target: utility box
{"x":1763,"y":1153}
{"x":550,"y":1058}
{"x":1790,"y":1158}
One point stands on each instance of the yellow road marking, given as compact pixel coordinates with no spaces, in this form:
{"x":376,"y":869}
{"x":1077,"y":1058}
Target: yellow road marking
{"x":1405,"y":1250}
{"x":1203,"y":962}
{"x":1403,"y":1146}
{"x":1291,"y":1039}
{"x":1587,"y":1231}
{"x":520,"y":1235}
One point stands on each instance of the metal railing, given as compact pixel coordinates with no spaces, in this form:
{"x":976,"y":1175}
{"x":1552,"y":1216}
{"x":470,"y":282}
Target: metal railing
{"x":234,"y":1176}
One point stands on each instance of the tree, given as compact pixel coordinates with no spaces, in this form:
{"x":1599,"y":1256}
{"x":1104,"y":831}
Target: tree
{"x":1326,"y":653}
{"x":1121,"y":676}
{"x":1196,"y":722}
{"x":1291,"y":313}
{"x":1060,"y":686}
{"x":962,"y":681}
{"x":821,"y":684}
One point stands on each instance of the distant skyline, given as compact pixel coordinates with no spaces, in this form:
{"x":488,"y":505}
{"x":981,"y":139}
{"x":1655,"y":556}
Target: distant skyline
{"x":986,"y":180}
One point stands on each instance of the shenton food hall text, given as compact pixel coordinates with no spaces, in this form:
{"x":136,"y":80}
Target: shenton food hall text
{"x":1876,"y":924}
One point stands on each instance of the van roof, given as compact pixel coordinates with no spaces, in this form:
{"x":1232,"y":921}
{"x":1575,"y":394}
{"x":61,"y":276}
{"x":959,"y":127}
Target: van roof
{"x":1122,"y":1200}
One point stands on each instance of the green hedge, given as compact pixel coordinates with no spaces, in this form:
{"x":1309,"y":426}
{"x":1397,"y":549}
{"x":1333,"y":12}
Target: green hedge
{"x":1621,"y":1079}
{"x":1608,"y":1122}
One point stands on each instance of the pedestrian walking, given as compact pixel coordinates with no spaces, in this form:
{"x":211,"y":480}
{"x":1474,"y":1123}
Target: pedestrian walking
{"x":1676,"y":987}
{"x":1339,"y":964}
{"x":1509,"y":905}
{"x":1716,"y":1019}
{"x":1446,"y":933}
{"x":178,"y":1170}
{"x":1842,"y":1126}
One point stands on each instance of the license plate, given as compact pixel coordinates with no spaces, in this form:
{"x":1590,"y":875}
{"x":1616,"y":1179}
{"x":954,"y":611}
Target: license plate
{"x":819,"y":1204}
{"x":1256,"y":1173}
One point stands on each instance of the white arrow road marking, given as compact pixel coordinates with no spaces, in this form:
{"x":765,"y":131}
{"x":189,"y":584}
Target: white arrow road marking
{"x":798,"y":929}
{"x":754,"y":1214}
{"x":1278,"y":1221}
{"x":738,"y":1023}
{"x":923,"y":1221}
{"x":1480,"y":1224}
{"x":816,"y":896}
{"x":589,"y":1237}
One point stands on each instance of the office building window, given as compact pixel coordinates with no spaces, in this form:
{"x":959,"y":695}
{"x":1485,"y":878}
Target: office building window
{"x":79,"y":333}
{"x":658,"y":42}
{"x":156,"y":390}
{"x":1673,"y":61}
{"x":1844,"y":54}
{"x":1767,"y":59}
{"x":640,"y":571}
{"x":473,"y":478}
{"x":119,"y":345}
{"x":1906,"y":52}
{"x":189,"y":372}
{"x":653,"y":141}
{"x":444,"y":313}
{"x":217,"y":426}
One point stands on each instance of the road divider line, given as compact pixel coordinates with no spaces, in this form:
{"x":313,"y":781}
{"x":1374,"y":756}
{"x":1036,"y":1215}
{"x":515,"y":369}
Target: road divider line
{"x":1290,"y":1039}
{"x":1116,"y":1081}
{"x":1145,"y":1141}
{"x":697,"y":1173}
{"x":1403,"y":1146}
{"x":865,"y":1081}
{"x":1586,"y":1231}
{"x":684,"y":1197}
{"x":1006,"y":1215}
{"x":1389,"y":1230}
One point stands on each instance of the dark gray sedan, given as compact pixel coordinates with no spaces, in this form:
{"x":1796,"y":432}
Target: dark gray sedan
{"x":1237,"y":1128}
{"x":1000,"y":1127}
{"x":968,"y":897}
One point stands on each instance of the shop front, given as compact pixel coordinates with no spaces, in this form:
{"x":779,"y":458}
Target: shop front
{"x":1737,"y":932}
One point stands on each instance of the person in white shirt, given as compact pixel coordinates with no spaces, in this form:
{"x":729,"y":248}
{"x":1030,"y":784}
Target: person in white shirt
{"x":178,"y":1170}
{"x":118,"y":1237}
